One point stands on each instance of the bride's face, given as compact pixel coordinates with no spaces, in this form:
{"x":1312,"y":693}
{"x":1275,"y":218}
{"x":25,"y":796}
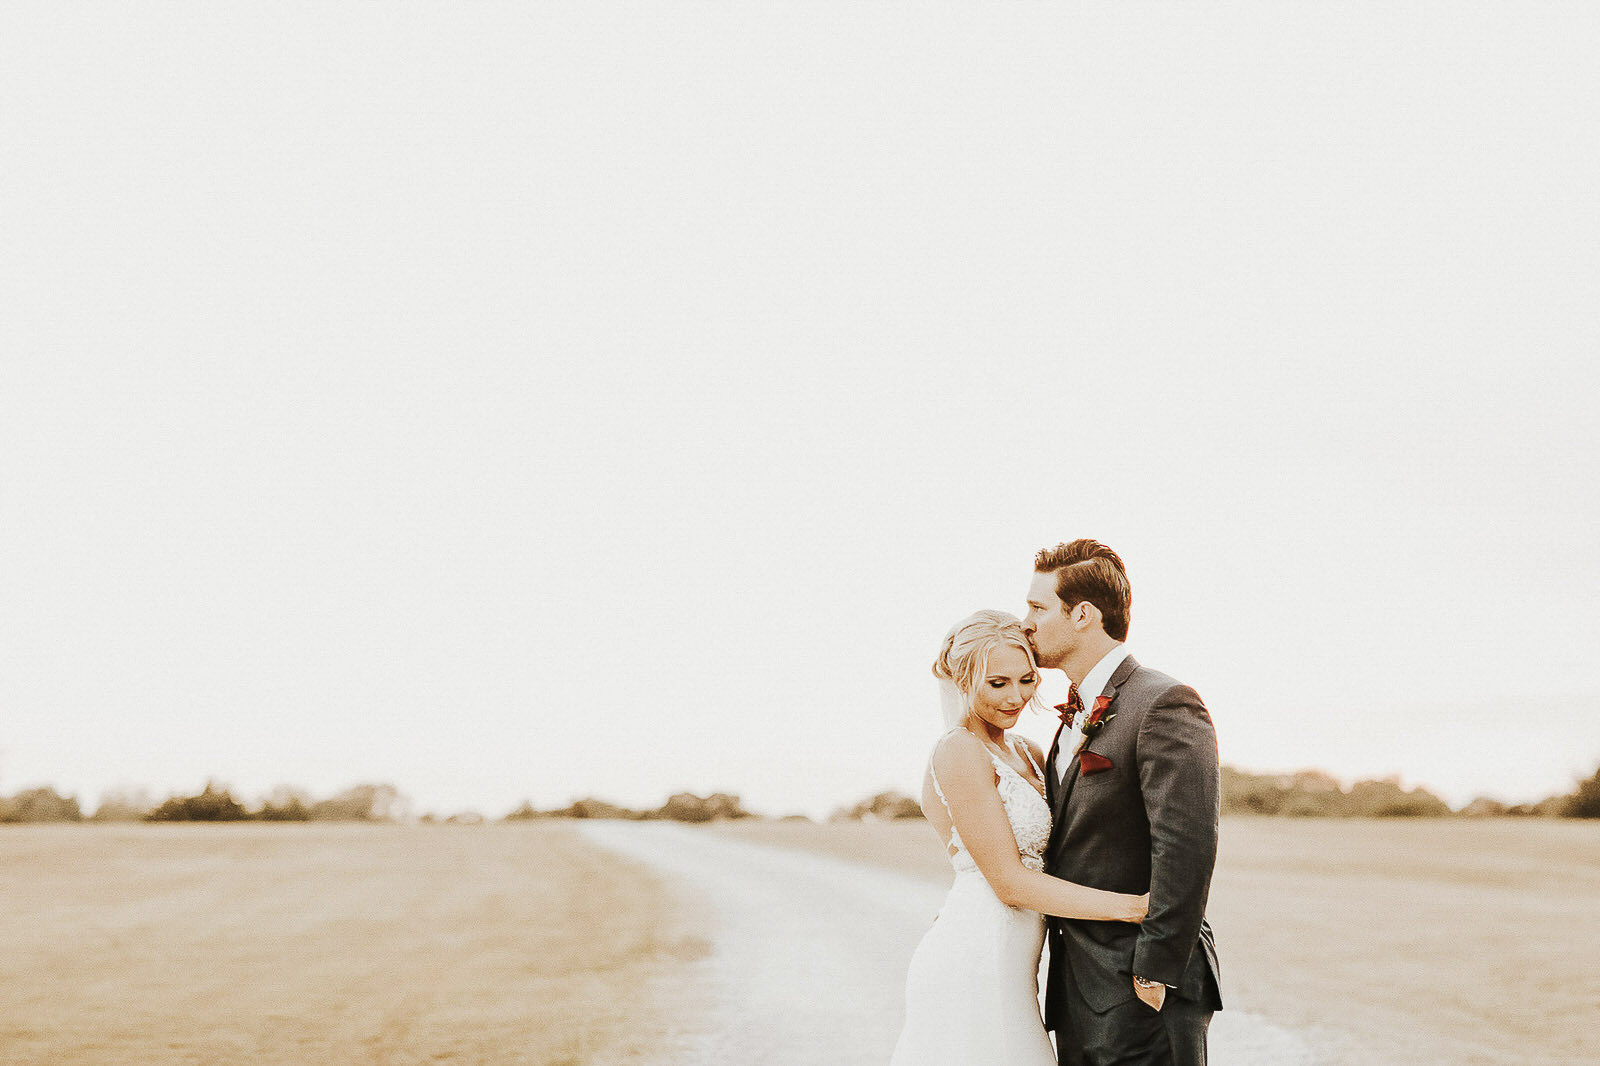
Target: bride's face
{"x":1007,"y":687}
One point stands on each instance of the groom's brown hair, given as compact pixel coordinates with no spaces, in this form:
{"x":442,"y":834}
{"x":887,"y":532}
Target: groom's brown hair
{"x":1087,"y":570}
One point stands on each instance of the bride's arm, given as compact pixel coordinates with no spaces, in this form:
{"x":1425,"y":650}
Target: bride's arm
{"x":968,"y":779}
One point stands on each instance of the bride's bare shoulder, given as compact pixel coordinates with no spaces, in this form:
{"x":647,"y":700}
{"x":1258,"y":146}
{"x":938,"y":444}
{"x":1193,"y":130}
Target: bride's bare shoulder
{"x":960,"y":752}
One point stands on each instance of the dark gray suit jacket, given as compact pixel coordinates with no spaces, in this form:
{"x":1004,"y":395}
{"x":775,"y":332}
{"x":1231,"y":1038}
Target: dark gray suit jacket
{"x":1146,"y":824}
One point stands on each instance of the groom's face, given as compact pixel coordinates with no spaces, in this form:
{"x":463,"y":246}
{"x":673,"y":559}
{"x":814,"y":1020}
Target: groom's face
{"x":1049,"y":628}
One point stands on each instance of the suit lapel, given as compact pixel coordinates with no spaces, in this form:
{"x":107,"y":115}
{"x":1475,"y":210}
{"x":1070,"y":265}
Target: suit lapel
{"x":1119,"y":677}
{"x":1064,"y":791}
{"x":1052,"y":788}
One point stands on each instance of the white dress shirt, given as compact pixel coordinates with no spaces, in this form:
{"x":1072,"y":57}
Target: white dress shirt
{"x":1093,"y":685}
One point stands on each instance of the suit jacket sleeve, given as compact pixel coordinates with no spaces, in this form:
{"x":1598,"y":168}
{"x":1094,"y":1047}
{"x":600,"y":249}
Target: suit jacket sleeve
{"x":1180,"y":779}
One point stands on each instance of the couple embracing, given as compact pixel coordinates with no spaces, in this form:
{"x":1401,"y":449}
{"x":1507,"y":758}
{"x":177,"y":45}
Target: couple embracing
{"x":1103,"y":846}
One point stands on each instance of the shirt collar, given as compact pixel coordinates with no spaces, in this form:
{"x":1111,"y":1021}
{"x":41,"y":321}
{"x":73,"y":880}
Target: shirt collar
{"x":1099,"y":677}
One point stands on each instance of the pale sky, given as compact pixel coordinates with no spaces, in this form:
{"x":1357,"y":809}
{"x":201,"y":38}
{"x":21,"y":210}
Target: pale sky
{"x":514,"y":402}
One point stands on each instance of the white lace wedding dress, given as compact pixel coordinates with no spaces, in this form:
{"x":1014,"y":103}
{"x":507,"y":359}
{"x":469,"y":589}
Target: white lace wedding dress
{"x":973,"y":986}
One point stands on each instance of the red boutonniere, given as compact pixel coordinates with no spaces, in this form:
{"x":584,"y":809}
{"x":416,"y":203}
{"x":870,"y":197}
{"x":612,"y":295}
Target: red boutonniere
{"x":1092,"y":762}
{"x":1097,"y":718}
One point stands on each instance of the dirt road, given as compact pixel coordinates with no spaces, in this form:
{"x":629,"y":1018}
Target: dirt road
{"x":810,"y":954}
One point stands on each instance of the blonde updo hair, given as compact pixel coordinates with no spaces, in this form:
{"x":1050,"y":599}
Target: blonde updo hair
{"x":964,"y":657}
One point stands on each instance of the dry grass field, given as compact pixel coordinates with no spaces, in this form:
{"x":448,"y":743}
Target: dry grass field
{"x":1418,"y":941}
{"x":1424,"y":942}
{"x":327,"y":945}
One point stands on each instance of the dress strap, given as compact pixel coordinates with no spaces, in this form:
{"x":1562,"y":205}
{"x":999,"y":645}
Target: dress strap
{"x":954,"y":845}
{"x":1027,"y":753}
{"x":937,"y":791}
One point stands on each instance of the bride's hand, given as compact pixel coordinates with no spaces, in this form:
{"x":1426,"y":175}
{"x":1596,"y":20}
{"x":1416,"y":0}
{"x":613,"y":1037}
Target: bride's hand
{"x":1142,"y":908}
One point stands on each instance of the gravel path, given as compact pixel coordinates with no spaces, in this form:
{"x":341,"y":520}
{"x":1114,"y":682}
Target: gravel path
{"x":810,"y":953}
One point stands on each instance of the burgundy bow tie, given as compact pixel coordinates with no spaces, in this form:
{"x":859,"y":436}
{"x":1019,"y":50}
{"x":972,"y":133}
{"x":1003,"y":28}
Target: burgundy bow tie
{"x":1070,"y":709}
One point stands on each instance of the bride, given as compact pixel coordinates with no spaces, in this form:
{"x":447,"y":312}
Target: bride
{"x":972,"y":990}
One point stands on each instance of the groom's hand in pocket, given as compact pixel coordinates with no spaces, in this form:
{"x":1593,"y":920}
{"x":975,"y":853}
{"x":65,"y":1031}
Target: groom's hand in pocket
{"x":1152,"y":997}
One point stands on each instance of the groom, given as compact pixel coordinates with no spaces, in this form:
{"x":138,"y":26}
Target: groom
{"x":1132,"y":780}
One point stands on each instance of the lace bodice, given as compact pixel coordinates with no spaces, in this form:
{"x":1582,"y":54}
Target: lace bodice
{"x":1026,"y":810}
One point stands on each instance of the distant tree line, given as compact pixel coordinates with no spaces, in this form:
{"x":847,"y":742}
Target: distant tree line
{"x":1585,"y":802}
{"x":1307,"y":793}
{"x":885,"y":806}
{"x":214,"y":803}
{"x":363,"y":803}
{"x":1315,"y":794}
{"x":683,"y":807}
{"x":39,"y":805}
{"x":1312,"y":794}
